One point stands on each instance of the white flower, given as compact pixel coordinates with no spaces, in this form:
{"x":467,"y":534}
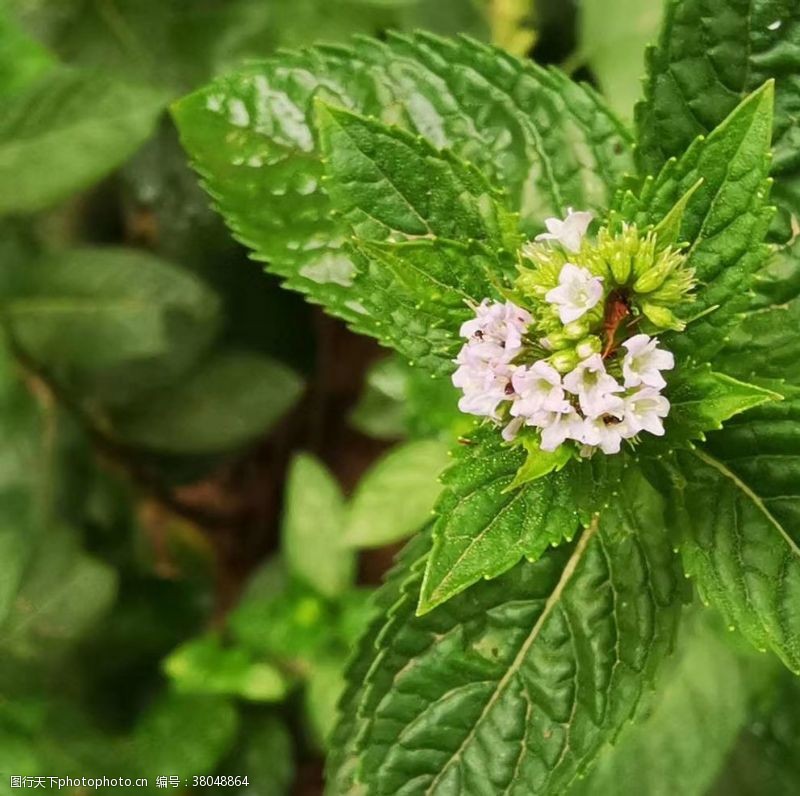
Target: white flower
{"x":604,"y":432}
{"x":538,"y":388}
{"x":644,"y":411}
{"x":484,"y":376}
{"x":644,"y":362}
{"x":509,"y":432}
{"x":504,"y":324}
{"x":558,"y":427}
{"x":569,"y":232}
{"x":594,"y":387}
{"x":577,"y":292}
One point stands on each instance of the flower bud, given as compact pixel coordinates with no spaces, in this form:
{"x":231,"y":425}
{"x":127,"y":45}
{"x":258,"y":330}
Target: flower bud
{"x":654,"y":277}
{"x":620,"y":264}
{"x":564,"y":361}
{"x":588,"y":346}
{"x":555,"y":341}
{"x":661,"y":316}
{"x":576,"y":329}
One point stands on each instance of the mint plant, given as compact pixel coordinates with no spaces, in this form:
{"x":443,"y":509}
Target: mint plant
{"x":632,"y":367}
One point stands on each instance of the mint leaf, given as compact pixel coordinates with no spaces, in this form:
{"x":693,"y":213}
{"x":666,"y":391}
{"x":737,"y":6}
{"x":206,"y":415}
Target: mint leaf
{"x":104,"y":308}
{"x":668,"y":748}
{"x":483,"y":527}
{"x":496,"y":710}
{"x":390,"y":185}
{"x":99,"y":120}
{"x":421,"y":289}
{"x":764,"y":344}
{"x":313,"y":528}
{"x":343,"y":758}
{"x":226,"y":402}
{"x":712,"y":54}
{"x":701,"y":400}
{"x":725,"y":219}
{"x":737,"y":506}
{"x":205,"y":666}
{"x":547,"y":141}
{"x":396,"y":495}
{"x":22,"y":60}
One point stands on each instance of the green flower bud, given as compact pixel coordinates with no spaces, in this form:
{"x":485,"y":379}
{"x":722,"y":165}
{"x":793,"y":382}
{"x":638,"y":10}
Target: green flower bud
{"x":576,"y":329}
{"x":555,"y":341}
{"x":620,"y":264}
{"x":588,"y":346}
{"x":564,"y":361}
{"x":661,"y":316}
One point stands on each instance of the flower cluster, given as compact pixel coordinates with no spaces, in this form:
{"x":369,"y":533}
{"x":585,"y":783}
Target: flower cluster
{"x":576,"y":365}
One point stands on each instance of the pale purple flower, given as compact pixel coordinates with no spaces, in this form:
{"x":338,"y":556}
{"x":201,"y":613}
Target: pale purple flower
{"x":510,"y":431}
{"x":604,"y":432}
{"x":594,"y":387}
{"x":644,"y":411}
{"x":577,"y":292}
{"x":494,"y":322}
{"x":569,"y":232}
{"x":537,"y":388}
{"x":558,"y":427}
{"x":644,"y":362}
{"x":484,"y":375}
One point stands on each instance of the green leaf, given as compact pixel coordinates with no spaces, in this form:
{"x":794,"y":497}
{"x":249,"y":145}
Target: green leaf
{"x":228,"y":401}
{"x":516,"y":685}
{"x":538,"y":463}
{"x":738,"y":507}
{"x":205,"y":666}
{"x":185,"y":735}
{"x":668,"y":749}
{"x":61,"y":594}
{"x":284,"y":620}
{"x":547,"y":141}
{"x":764,"y":344}
{"x":613,"y":36}
{"x":343,"y":756}
{"x":711,"y":55}
{"x":322,"y":693}
{"x":22,"y":60}
{"x":725,"y":219}
{"x":391,"y":185}
{"x":701,"y":400}
{"x":104,"y":309}
{"x":421,"y":290}
{"x":98,"y":120}
{"x":483,"y":528}
{"x":265,"y":755}
{"x":381,"y":409}
{"x":313,"y":528}
{"x":764,"y":759}
{"x":395,"y":497}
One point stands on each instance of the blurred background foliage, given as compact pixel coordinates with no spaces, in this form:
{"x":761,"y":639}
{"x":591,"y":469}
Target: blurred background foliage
{"x":201,"y":477}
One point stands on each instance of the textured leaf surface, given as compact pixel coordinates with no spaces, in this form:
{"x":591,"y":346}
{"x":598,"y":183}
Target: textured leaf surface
{"x":313,"y":528}
{"x":765,"y":342}
{"x":98,"y":120}
{"x":484,"y":527}
{"x":701,"y":400}
{"x":395,"y":496}
{"x":725,"y":219}
{"x":711,"y":54}
{"x":668,"y":748}
{"x":515,"y":685}
{"x":546,"y":141}
{"x":739,"y":513}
